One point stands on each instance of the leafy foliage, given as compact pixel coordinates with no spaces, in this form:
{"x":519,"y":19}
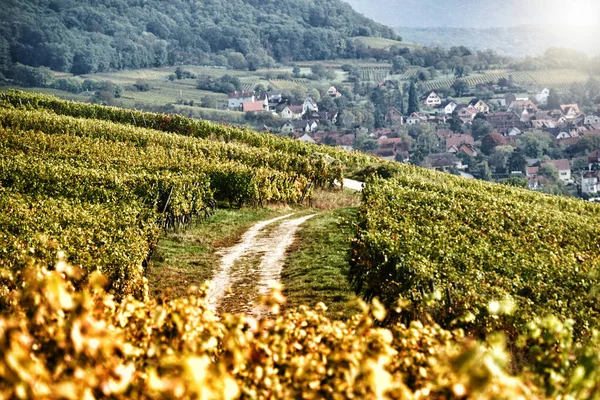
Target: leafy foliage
{"x":91,"y":36}
{"x":423,"y":235}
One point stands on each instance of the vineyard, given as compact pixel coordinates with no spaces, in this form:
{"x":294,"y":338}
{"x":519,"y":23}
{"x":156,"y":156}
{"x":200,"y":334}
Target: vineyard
{"x":454,"y":247}
{"x":374,"y":74}
{"x":289,"y":84}
{"x":560,"y":79}
{"x":249,"y":83}
{"x":481,"y":294}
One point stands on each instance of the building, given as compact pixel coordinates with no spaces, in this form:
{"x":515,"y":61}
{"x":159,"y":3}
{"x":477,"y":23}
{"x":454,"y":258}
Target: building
{"x":562,"y":166}
{"x":333,"y":92}
{"x":466,"y":114}
{"x":443,"y":162}
{"x":504,"y":122}
{"x":394,"y":116}
{"x":306,"y":138}
{"x":570,"y":111}
{"x":432,"y":100}
{"x":591,"y":119}
{"x":542,"y":97}
{"x":309,"y":105}
{"x":480,"y":105}
{"x":519,"y":105}
{"x":457,"y":139}
{"x":290,"y":112}
{"x":236,"y":99}
{"x":255,"y":106}
{"x":287,"y":128}
{"x":415,"y":118}
{"x":448,"y":107}
{"x":589,"y":182}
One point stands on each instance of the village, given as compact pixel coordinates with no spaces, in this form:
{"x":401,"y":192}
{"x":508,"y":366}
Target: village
{"x":523,"y":140}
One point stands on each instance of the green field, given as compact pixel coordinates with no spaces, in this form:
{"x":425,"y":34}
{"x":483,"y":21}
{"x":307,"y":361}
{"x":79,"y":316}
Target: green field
{"x":382,"y":43}
{"x":560,"y":78}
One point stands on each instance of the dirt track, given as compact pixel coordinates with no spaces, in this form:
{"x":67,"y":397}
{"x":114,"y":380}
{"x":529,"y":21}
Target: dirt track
{"x":249,"y":268}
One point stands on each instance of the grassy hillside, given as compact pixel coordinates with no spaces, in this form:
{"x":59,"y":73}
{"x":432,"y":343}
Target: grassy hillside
{"x":383,"y":43}
{"x":489,"y":291}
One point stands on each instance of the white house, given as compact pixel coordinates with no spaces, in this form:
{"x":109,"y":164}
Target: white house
{"x":236,"y":99}
{"x":542,"y":97}
{"x":467,"y":114}
{"x":563,"y":135}
{"x":287,"y":128}
{"x":589,"y":182}
{"x":448,"y":107}
{"x":432,"y":99}
{"x":415,"y":118}
{"x":563,"y":167}
{"x":591,"y":119}
{"x":333,"y":92}
{"x":514,"y":132}
{"x":480,"y":105}
{"x":309,"y":105}
{"x":291,"y":112}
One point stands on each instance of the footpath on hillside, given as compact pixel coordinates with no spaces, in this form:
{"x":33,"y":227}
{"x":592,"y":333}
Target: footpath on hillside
{"x":250,"y":268}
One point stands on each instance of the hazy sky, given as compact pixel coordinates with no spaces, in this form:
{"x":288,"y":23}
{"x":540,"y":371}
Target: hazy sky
{"x":480,"y":13}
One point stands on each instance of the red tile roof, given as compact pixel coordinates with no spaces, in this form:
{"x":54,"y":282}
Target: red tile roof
{"x":456,"y":140}
{"x":250,"y":106}
{"x":561,"y":165}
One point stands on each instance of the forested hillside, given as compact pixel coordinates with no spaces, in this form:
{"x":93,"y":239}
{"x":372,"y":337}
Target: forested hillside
{"x":90,"y":36}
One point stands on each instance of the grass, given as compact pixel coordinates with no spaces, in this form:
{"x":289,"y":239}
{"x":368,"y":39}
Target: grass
{"x":335,"y":198}
{"x":317,"y":264}
{"x":383,"y":43}
{"x":188,"y":258}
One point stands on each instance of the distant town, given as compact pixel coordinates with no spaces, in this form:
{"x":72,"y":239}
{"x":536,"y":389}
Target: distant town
{"x":531,"y":141}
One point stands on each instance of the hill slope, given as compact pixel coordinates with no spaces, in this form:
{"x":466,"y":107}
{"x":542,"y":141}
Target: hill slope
{"x":90,"y":36}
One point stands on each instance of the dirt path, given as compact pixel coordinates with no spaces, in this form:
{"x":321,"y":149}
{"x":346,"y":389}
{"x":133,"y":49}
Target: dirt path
{"x":351,"y":184}
{"x":249,"y":268}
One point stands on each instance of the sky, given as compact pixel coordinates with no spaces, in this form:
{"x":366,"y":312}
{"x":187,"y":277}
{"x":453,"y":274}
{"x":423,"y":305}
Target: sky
{"x":480,"y":13}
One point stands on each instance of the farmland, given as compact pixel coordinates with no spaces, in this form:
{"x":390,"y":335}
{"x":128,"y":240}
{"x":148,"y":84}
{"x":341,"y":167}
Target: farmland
{"x":559,"y":79}
{"x":467,"y":271}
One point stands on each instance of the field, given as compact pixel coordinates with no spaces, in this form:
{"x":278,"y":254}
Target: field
{"x":374,"y":74}
{"x":480,"y":294}
{"x":560,"y":79}
{"x":382,"y":43}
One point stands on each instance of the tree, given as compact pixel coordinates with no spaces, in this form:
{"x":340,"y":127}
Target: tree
{"x":30,"y":76}
{"x":553,"y":100}
{"x":480,"y":128}
{"x":236,"y":60}
{"x":535,"y":143}
{"x":413,"y":99}
{"x":491,"y":141}
{"x":5,"y":59}
{"x":398,"y":64}
{"x":208,"y":102}
{"x":483,"y":171}
{"x":499,"y":158}
{"x":254,"y":61}
{"x":364,"y":143}
{"x":179,"y":72}
{"x":550,"y":172}
{"x":460,"y":87}
{"x":296,"y":71}
{"x":517,"y":161}
{"x":514,"y":181}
